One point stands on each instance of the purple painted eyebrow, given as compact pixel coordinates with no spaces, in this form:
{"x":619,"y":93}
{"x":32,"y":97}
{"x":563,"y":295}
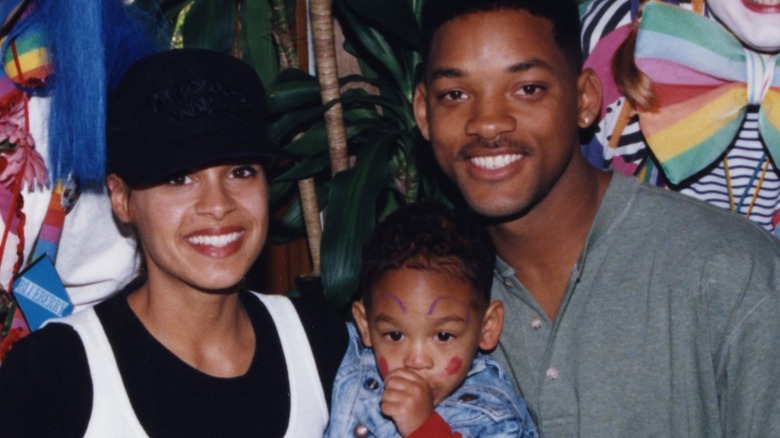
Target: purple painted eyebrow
{"x":394,"y":298}
{"x":436,"y":301}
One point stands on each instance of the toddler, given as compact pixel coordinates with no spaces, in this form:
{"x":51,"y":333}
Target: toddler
{"x":424,"y":320}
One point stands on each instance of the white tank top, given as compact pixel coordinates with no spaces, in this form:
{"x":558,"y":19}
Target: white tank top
{"x":113,"y":416}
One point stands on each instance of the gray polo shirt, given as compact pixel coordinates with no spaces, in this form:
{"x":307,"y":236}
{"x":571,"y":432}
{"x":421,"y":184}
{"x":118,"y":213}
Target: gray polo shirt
{"x":670,"y":325}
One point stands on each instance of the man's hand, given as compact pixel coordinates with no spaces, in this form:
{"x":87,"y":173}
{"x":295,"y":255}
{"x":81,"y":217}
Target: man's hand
{"x":407,"y":400}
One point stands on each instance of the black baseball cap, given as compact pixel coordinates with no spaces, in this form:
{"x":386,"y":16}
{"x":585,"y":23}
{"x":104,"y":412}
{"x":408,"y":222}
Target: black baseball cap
{"x":185,"y":109}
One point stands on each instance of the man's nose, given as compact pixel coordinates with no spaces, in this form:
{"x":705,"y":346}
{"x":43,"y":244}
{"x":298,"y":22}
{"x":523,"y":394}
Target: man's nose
{"x":490,"y":119}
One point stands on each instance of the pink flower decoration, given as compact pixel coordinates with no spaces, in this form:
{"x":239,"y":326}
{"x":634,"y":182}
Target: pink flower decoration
{"x":17,"y":148}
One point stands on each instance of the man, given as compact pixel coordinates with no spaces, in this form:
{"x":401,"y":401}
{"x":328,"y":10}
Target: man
{"x":630,"y":311}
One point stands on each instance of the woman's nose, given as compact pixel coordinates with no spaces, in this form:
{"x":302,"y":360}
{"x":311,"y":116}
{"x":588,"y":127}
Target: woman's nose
{"x":215,"y":199}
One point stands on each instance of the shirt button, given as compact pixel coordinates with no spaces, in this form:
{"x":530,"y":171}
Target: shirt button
{"x":508,"y":282}
{"x":371,"y":384}
{"x":360,"y":431}
{"x":468,"y":397}
{"x":552,"y":374}
{"x":536,"y":323}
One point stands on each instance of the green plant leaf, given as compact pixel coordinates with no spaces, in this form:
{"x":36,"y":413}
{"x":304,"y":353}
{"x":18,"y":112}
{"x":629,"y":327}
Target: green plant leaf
{"x":257,"y":42}
{"x":161,"y":12}
{"x":349,"y":219}
{"x":291,"y":225}
{"x":393,"y":16}
{"x":293,"y":89}
{"x":310,"y":166}
{"x":210,"y":24}
{"x":373,"y":42}
{"x":294,"y":122}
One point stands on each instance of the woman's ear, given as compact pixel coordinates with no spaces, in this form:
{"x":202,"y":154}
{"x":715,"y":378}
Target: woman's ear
{"x":359,"y":313}
{"x":119,"y":194}
{"x":492,"y":324}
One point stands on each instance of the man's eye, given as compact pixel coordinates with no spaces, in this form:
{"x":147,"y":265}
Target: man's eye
{"x":394,"y":336}
{"x":452,"y":95}
{"x":444,"y":336}
{"x":530,"y":89}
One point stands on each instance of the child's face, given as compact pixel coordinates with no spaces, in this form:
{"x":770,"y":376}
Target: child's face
{"x":425,"y":321}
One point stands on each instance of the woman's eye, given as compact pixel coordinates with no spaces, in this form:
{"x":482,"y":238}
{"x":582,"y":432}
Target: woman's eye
{"x":243,"y":172}
{"x":444,"y":336}
{"x":180,"y":180}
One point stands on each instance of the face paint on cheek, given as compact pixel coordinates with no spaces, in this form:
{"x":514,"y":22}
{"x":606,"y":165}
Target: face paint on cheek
{"x":383,"y":368}
{"x":454,"y":366}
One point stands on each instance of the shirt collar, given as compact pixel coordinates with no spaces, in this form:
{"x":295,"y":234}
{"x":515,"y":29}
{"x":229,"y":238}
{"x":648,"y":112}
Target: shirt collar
{"x":614,"y":207}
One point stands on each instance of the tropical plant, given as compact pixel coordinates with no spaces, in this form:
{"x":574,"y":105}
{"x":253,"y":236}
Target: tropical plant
{"x":243,"y":28}
{"x":388,"y":150}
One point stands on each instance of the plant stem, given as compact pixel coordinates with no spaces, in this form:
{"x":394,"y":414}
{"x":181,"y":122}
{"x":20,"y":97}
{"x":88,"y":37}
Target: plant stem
{"x":306,"y":187}
{"x":327,"y":72}
{"x":283,"y":35}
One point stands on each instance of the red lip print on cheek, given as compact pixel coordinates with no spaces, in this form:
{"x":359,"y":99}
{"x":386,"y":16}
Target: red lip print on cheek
{"x":454,"y":366}
{"x":383,"y":368}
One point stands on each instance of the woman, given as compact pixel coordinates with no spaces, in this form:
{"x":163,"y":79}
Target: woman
{"x":184,"y":351}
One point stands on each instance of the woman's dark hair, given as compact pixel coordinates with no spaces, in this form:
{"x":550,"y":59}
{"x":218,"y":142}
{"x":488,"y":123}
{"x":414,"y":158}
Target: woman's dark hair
{"x":429,"y":236}
{"x":563,"y":14}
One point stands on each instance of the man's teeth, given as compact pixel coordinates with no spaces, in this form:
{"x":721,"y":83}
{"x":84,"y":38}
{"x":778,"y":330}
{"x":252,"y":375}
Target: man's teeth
{"x":495,"y":162}
{"x":766,"y":2}
{"x":218,"y":241}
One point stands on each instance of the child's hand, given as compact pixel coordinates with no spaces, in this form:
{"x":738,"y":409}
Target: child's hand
{"x":407,"y":399}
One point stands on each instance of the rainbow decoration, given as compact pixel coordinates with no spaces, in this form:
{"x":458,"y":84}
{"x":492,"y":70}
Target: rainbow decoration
{"x":704,"y":80}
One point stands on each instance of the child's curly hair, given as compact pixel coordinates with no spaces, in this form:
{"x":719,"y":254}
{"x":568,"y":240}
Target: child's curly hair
{"x":429,"y":236}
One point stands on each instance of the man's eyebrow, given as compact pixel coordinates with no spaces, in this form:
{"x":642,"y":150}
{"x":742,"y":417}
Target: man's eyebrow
{"x":531,"y":64}
{"x":519,"y":67}
{"x":446,"y":73}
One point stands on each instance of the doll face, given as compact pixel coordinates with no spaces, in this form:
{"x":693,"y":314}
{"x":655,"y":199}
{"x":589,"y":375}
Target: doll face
{"x":755,"y":22}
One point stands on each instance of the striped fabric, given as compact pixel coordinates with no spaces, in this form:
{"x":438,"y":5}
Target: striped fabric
{"x":704,"y":80}
{"x":602,"y":17}
{"x":745,"y":155}
{"x":745,"y":167}
{"x":25,"y":64}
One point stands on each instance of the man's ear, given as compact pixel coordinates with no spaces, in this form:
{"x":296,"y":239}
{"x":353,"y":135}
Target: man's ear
{"x":492,"y":324}
{"x":359,"y":313}
{"x":419,"y":103}
{"x":119,"y":194}
{"x":589,"y":91}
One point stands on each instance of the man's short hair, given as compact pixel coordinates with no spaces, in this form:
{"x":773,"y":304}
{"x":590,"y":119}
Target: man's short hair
{"x":429,"y":236}
{"x":563,"y":14}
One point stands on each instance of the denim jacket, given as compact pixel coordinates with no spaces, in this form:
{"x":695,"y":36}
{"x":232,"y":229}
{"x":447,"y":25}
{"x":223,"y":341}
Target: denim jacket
{"x":484,"y":405}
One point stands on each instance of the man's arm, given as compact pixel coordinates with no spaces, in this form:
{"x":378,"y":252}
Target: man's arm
{"x":748,"y":377}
